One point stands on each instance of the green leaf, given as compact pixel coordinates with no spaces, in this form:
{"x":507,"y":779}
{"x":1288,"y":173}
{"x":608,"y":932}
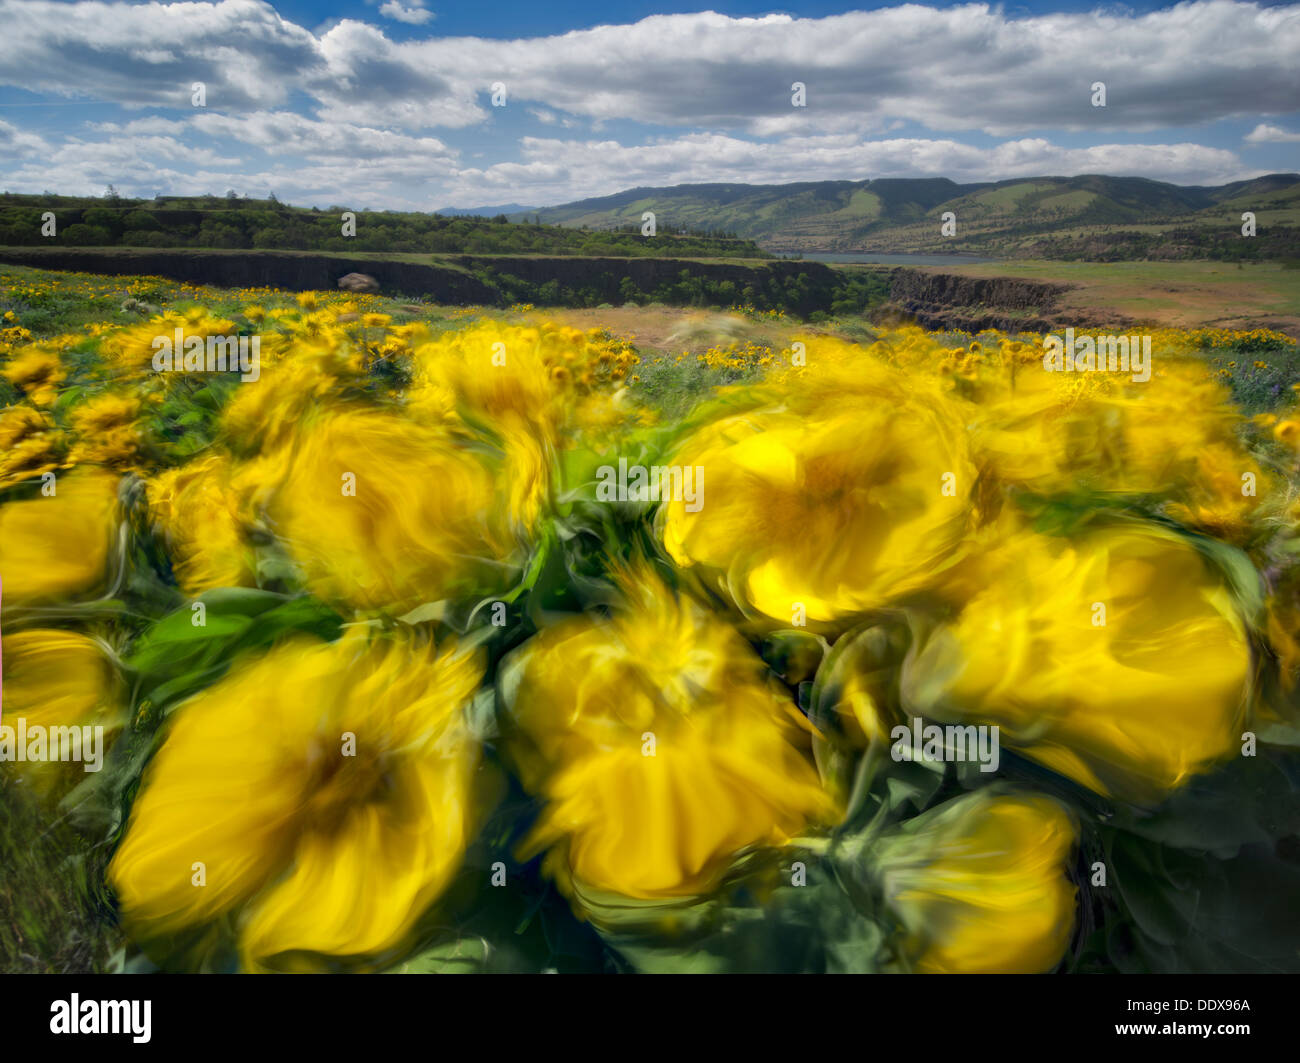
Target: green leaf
{"x":463,"y":956}
{"x":176,"y":657}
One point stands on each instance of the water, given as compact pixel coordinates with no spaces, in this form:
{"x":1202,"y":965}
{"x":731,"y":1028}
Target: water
{"x":896,"y":260}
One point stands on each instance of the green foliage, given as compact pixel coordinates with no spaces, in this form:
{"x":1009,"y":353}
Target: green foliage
{"x":208,"y":222}
{"x":177,"y":656}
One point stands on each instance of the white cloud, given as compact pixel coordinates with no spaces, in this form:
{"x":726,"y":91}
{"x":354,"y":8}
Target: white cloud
{"x":155,"y":124}
{"x":891,"y":92}
{"x":15,"y":142}
{"x":310,"y":161}
{"x":1271,"y":134}
{"x":245,"y":53}
{"x":955,"y":69}
{"x":285,"y":133}
{"x":415,"y":15}
{"x":366,"y":82}
{"x":969,"y":68}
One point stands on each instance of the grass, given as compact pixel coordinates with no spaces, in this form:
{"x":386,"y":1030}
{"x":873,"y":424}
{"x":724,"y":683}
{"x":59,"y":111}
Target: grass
{"x":1169,"y":294}
{"x":53,"y":917}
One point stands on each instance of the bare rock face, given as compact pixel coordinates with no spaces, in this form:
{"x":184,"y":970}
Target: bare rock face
{"x":358,"y":282}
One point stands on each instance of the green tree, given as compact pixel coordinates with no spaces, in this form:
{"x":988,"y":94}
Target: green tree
{"x":85,"y":236}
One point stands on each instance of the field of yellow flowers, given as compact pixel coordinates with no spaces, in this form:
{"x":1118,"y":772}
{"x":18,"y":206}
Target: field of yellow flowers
{"x":392,"y":676}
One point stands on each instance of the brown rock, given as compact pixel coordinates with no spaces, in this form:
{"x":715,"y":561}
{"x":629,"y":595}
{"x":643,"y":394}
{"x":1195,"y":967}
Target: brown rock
{"x":358,"y":282}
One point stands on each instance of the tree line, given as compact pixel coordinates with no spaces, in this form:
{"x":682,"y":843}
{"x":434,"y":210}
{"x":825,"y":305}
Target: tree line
{"x":233,"y":223}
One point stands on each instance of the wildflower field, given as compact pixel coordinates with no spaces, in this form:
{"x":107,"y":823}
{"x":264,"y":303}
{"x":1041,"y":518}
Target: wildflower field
{"x":465,"y":640}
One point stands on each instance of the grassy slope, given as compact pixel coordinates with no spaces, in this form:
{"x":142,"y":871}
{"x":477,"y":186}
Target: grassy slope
{"x":1173,"y":294}
{"x":904,"y":215}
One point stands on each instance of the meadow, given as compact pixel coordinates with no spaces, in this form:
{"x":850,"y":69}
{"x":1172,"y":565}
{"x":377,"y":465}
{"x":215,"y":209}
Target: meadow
{"x":1184,"y":295}
{"x":390,"y":686}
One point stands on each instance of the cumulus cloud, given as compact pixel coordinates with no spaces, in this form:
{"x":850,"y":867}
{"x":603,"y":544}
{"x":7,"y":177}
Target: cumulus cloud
{"x":962,"y":68}
{"x":17,"y":142}
{"x":345,"y":163}
{"x":150,"y":54}
{"x":952,"y":69}
{"x":415,"y":15}
{"x":902,"y":91}
{"x":365,"y":79}
{"x":1271,"y":134}
{"x":287,"y":133}
{"x":136,"y":163}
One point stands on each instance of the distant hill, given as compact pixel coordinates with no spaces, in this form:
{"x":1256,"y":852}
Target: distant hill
{"x":1093,"y":216}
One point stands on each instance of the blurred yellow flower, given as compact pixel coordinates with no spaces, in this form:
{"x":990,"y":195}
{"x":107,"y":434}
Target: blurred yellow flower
{"x":838,"y":511}
{"x":38,"y":373}
{"x":265,"y":418}
{"x":1119,"y":660}
{"x":659,"y":746}
{"x":327,"y":790}
{"x":196,"y":509}
{"x":60,"y":679}
{"x":105,"y":431}
{"x":109,"y":410}
{"x":30,"y":445}
{"x":1287,"y":431}
{"x":58,"y":546}
{"x":384,"y":513}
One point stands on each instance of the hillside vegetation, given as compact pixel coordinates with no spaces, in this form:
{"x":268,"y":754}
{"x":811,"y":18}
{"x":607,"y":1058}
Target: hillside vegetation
{"x":1092,"y":217}
{"x":233,"y":223}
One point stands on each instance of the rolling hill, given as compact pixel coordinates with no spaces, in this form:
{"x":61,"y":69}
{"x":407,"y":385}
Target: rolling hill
{"x":1057,"y":217}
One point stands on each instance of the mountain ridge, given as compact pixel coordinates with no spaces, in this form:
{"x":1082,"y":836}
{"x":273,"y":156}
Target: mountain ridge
{"x":1029,"y":217}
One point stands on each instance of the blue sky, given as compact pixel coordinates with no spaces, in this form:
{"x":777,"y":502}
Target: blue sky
{"x":388,"y":103}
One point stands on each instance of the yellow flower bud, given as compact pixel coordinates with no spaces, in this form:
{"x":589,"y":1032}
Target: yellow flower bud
{"x":979,"y":885}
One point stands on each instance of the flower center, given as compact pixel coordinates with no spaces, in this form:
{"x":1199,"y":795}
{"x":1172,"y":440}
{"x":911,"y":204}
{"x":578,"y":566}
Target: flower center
{"x":345,"y":776}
